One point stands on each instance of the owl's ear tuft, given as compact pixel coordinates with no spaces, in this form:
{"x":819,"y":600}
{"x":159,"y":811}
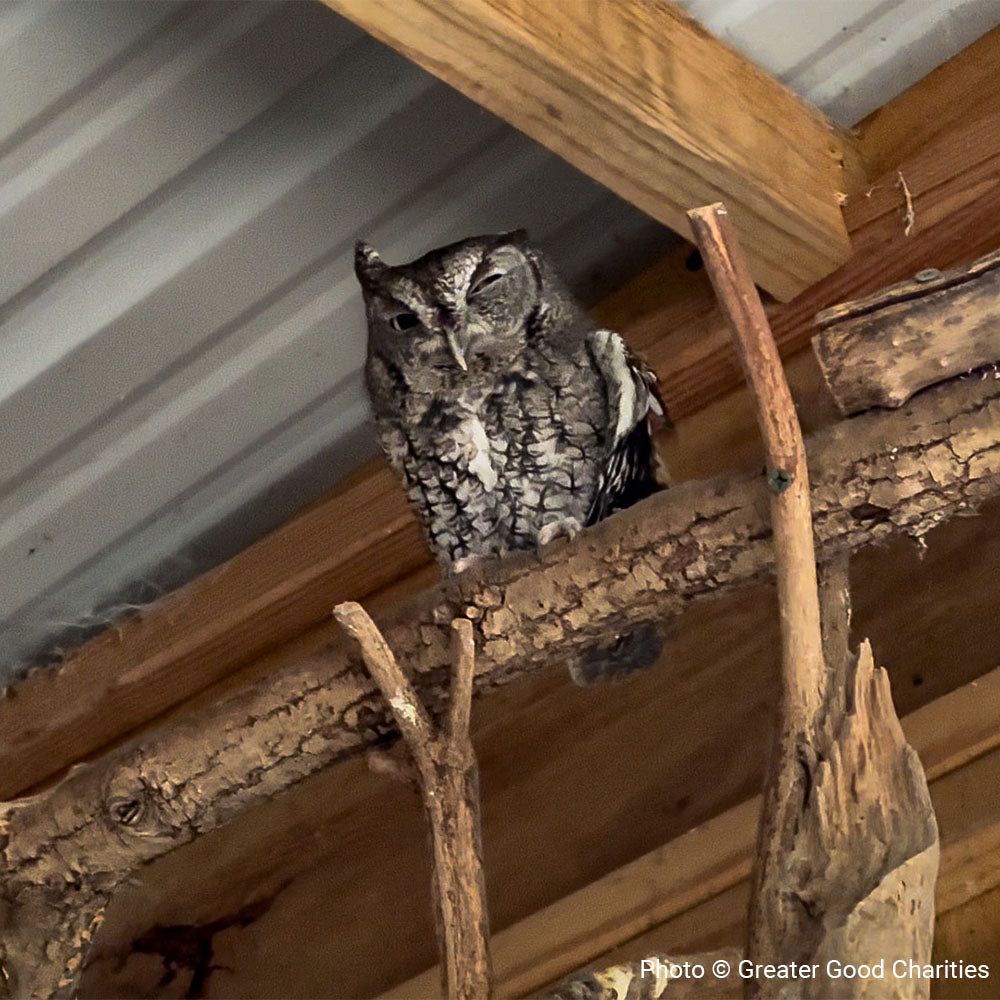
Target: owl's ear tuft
{"x":367,"y":263}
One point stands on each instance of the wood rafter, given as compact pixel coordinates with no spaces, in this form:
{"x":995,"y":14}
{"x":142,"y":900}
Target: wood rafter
{"x":964,"y":89}
{"x":642,"y":98}
{"x":953,"y":189}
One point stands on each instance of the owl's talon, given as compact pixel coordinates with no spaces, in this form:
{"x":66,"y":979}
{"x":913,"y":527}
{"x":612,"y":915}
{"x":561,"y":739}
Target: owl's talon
{"x":464,"y":563}
{"x":565,"y":527}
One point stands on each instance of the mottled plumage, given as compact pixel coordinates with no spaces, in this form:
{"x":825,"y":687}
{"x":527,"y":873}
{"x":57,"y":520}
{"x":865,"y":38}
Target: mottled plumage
{"x":509,"y":415}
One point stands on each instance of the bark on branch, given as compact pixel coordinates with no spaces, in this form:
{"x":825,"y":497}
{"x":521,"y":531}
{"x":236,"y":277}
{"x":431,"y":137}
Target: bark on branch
{"x":881,"y":474}
{"x":772,"y":924}
{"x":880,"y":350}
{"x":848,"y":850}
{"x":449,"y":787}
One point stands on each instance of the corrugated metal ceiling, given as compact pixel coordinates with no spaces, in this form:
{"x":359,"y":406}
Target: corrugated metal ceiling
{"x":180,"y":186}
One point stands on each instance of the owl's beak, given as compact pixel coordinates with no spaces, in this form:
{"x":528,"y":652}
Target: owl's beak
{"x":456,"y":347}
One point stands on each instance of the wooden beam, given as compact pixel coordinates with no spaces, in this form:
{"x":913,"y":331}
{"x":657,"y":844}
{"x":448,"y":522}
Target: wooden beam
{"x":180,"y":645}
{"x":970,"y":934}
{"x":624,"y":912}
{"x":956,"y":94}
{"x":643,"y":99}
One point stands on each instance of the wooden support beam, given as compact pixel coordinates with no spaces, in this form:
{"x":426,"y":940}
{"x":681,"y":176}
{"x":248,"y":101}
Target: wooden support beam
{"x":169,"y":652}
{"x":956,"y":94}
{"x":952,"y":188}
{"x":656,"y":900}
{"x":643,"y":99}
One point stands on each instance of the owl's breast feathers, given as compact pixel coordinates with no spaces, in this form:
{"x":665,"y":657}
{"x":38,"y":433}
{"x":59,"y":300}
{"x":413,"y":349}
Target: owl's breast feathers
{"x":494,"y":455}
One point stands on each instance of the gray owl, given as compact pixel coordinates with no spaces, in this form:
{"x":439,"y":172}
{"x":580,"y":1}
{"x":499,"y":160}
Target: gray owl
{"x":509,"y":415}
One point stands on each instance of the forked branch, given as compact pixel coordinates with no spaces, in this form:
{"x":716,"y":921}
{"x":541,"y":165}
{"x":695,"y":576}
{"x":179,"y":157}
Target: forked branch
{"x":449,"y":784}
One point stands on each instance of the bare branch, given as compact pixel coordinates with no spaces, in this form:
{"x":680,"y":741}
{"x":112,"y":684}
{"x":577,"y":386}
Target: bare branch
{"x":788,"y":479}
{"x":410,"y":715}
{"x":449,"y":784}
{"x":847,"y":853}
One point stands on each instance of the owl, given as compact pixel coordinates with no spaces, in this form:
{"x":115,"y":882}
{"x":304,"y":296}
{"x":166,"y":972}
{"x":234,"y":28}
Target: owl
{"x":509,"y":415}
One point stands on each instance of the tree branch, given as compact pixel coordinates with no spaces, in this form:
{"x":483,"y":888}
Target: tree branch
{"x":787,"y":476}
{"x":449,"y":785}
{"x":847,"y":852}
{"x":880,"y":350}
{"x":771,"y":924}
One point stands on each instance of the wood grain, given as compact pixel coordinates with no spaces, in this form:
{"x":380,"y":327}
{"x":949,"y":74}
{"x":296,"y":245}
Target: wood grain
{"x":970,"y":934}
{"x":955,"y":190}
{"x":182,"y":644}
{"x":941,"y":324}
{"x":718,"y":919}
{"x":965,"y":88}
{"x":643,"y":99}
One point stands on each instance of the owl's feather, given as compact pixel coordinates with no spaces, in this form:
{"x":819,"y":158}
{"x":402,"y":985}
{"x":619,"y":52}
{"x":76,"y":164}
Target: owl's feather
{"x":629,"y":468}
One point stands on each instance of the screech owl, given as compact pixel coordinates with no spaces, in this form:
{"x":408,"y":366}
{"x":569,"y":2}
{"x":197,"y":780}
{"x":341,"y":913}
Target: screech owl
{"x":509,"y":415}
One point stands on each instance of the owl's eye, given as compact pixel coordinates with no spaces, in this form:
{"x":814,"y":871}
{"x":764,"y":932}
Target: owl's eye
{"x":485,"y":282}
{"x":404,"y":321}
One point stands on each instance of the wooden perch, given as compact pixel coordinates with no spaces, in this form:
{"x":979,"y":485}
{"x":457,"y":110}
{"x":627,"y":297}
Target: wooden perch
{"x":449,"y":786}
{"x":883,"y":474}
{"x":772,"y":924}
{"x":848,"y":850}
{"x":880,"y":350}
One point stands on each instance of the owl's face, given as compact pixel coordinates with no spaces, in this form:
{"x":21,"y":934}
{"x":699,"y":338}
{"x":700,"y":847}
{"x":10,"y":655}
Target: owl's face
{"x":457,"y":309}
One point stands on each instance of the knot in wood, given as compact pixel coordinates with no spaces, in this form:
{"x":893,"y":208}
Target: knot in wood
{"x":778,"y":480}
{"x":927,"y":274}
{"x":126,"y":810}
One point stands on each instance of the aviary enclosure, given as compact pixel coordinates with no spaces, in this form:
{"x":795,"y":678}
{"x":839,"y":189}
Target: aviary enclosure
{"x":869,"y":833}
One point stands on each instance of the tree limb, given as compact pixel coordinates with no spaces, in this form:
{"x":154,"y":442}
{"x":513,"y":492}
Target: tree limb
{"x":449,"y":785}
{"x":848,"y":851}
{"x":880,"y":350}
{"x":772,"y":924}
{"x":787,"y":476}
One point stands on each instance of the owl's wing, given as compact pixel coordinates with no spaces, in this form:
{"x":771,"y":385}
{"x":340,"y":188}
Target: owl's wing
{"x":629,"y":470}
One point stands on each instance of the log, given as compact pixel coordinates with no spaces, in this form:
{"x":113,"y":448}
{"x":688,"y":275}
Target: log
{"x":647,"y":102}
{"x":899,"y":472}
{"x":880,"y":350}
